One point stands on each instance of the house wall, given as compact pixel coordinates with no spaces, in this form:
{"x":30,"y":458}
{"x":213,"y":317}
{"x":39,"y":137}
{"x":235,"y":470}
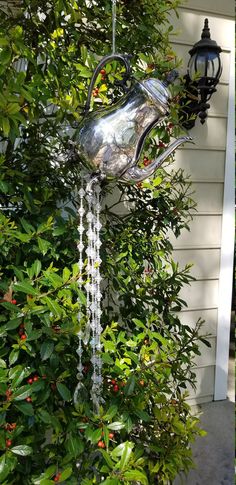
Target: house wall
{"x":208,"y":162}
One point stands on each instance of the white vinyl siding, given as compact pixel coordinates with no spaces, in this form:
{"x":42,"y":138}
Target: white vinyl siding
{"x":205,"y":162}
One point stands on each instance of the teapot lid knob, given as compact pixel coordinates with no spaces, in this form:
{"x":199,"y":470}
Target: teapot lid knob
{"x":171,"y":77}
{"x":158,"y":90}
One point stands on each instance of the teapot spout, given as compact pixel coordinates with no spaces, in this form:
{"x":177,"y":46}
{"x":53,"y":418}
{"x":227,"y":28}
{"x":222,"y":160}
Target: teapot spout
{"x":135,"y":174}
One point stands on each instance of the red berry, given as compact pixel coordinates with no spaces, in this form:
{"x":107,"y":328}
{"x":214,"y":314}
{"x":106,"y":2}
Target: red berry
{"x":146,"y":162}
{"x":8,"y":394}
{"x":8,"y":443}
{"x":142,"y":383}
{"x":30,"y":380}
{"x":111,"y":436}
{"x":103,"y":72}
{"x":29,"y":399}
{"x":57,"y":477}
{"x":22,"y":325}
{"x":95,"y":92}
{"x":14,"y":302}
{"x":23,"y":337}
{"x":113,"y":381}
{"x":161,"y":144}
{"x":13,"y":425}
{"x":35,"y":378}
{"x":116,"y":388}
{"x":82,"y":430}
{"x":101,"y":444}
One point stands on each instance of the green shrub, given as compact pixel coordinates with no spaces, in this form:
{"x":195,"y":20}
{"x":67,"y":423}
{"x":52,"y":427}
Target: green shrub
{"x":144,"y":430}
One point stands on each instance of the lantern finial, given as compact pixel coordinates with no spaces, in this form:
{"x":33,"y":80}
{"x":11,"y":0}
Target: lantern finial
{"x":206,"y":31}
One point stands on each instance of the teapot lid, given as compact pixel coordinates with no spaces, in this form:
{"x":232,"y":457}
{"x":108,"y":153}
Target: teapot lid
{"x":158,"y":90}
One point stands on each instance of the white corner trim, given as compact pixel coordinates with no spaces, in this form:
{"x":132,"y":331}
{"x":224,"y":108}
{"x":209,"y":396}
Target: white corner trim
{"x":227,"y":253}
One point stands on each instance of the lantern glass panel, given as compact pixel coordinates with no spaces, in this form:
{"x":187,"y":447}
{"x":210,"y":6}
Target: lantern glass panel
{"x":197,"y":66}
{"x":213,"y":65}
{"x":204,"y":63}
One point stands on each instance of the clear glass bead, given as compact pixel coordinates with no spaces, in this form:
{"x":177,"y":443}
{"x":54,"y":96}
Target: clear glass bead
{"x":81,"y":211}
{"x":81,"y":193}
{"x":80,"y":246}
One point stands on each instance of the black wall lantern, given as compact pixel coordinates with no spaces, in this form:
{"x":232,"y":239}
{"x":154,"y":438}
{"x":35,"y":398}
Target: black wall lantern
{"x":204,"y":71}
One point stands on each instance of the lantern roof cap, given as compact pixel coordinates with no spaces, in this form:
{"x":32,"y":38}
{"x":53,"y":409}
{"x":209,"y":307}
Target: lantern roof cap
{"x":206,"y":42}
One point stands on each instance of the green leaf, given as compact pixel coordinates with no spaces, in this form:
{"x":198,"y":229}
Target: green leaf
{"x":43,"y":245}
{"x":25,"y":408}
{"x":65,"y":474}
{"x":27,"y":226}
{"x":82,"y":297}
{"x":116,"y":426}
{"x":46,"y":350}
{"x":45,"y":416}
{"x":37,"y":265}
{"x":25,"y":287}
{"x":14,"y":323}
{"x":138,"y":323}
{"x":2,"y":463}
{"x":13,"y":356}
{"x":9,"y":465}
{"x":5,"y":126}
{"x":3,"y":364}
{"x":129,"y":388}
{"x":143,"y":415}
{"x":51,"y":470}
{"x":75,"y":446}
{"x":108,"y":459}
{"x":46,"y":481}
{"x":118,"y":451}
{"x":112,"y":411}
{"x":53,"y":306}
{"x":5,"y":56}
{"x":96,"y":435}
{"x":4,"y":186}
{"x":22,"y":450}
{"x":125,"y":457}
{"x":135,"y":475}
{"x":13,"y":108}
{"x":66,"y":274}
{"x":64,"y":391}
{"x":21,"y":393}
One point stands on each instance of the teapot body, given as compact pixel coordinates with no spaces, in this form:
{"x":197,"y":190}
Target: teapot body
{"x":110,"y":140}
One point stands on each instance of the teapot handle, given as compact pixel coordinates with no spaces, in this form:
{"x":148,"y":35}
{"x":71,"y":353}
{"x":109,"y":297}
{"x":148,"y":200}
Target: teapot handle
{"x":102,"y":63}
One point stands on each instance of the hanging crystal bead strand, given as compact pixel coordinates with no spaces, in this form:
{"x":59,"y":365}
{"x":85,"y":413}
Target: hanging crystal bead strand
{"x":89,"y":253}
{"x":96,"y":341}
{"x":80,"y":247}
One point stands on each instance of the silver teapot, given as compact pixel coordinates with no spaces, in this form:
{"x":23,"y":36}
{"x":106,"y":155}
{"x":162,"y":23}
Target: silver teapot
{"x":110,"y":140}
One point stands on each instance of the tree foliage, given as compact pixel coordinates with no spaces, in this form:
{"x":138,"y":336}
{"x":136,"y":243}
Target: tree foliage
{"x":142,"y":434}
